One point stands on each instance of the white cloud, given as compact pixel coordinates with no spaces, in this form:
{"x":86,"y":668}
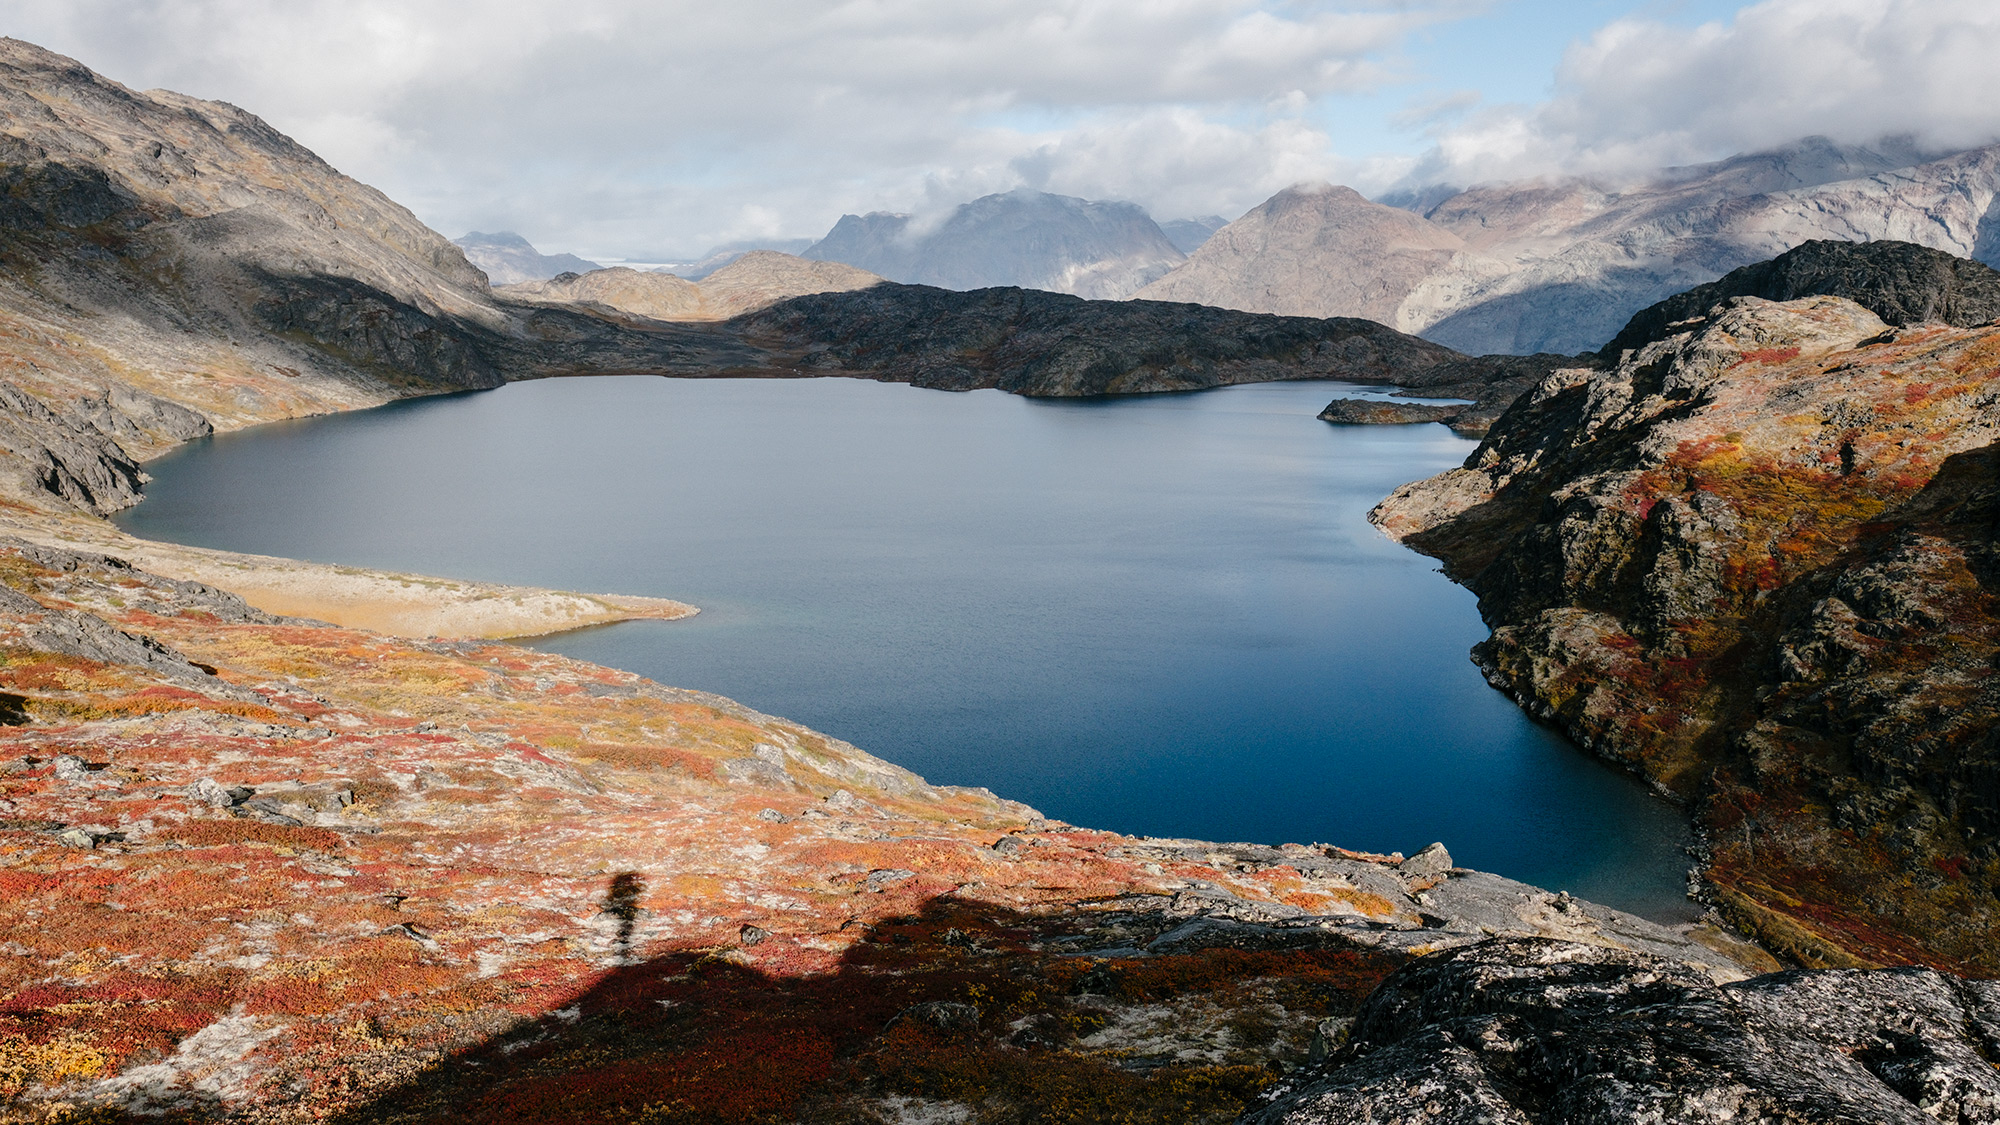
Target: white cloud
{"x":644,"y":125}
{"x":1641,"y":94}
{"x":636,"y":127}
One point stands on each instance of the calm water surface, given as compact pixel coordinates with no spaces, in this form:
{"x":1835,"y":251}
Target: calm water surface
{"x":1163,"y":615}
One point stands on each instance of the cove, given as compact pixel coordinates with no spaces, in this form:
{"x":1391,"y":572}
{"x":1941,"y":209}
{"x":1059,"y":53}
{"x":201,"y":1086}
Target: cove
{"x":1164,"y":615}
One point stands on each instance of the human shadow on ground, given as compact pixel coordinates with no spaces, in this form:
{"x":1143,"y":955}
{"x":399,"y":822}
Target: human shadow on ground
{"x":1001,"y":1011}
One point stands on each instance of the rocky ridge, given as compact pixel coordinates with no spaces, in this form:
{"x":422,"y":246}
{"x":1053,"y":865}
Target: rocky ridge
{"x":1750,"y":561}
{"x":1559,"y":266}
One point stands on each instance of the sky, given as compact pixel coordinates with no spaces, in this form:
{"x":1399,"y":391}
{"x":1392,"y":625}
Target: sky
{"x":655,"y":129}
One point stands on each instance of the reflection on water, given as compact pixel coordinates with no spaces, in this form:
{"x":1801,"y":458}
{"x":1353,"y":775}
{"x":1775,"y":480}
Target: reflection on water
{"x":1164,"y":615}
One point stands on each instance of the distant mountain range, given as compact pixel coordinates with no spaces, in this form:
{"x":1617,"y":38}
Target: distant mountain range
{"x":1559,"y":266}
{"x":1024,"y":238}
{"x":509,"y":259}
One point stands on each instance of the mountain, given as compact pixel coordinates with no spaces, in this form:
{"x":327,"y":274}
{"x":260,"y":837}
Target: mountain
{"x":1187,"y":235}
{"x":720,"y":256}
{"x":508,"y":258}
{"x":1022,"y":238}
{"x":658,"y":296}
{"x":1753,"y":560}
{"x":1559,"y":266}
{"x":1312,"y":250}
{"x":752,"y":280}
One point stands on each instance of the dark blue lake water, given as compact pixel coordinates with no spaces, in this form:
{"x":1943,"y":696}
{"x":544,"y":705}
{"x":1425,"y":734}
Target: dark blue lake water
{"x":1164,"y":615}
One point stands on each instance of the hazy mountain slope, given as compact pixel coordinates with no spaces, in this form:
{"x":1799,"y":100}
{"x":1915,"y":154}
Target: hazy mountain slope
{"x":659,"y":296}
{"x":751,"y":281}
{"x":1560,"y":266}
{"x":509,"y":259}
{"x":720,"y":256}
{"x":761,"y":278}
{"x":1187,"y":235}
{"x":1576,"y":272}
{"x":1312,"y":250}
{"x":1025,"y":238}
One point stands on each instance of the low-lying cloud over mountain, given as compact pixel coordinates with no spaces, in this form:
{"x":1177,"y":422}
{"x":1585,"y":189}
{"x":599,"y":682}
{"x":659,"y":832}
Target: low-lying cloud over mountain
{"x":1026,"y":238}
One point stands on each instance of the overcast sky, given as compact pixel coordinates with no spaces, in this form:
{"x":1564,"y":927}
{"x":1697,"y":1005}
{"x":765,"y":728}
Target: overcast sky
{"x":652,"y":128}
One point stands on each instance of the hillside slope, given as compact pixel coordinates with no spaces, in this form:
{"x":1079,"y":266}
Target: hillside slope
{"x":1754,"y":561}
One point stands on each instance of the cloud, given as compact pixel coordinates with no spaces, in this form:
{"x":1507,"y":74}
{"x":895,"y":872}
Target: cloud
{"x":633,"y":126}
{"x":1640,"y":94}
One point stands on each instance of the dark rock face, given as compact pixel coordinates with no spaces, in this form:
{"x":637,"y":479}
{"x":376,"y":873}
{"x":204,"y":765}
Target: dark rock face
{"x":1552,"y":1033}
{"x":1037,"y":343}
{"x":1901,"y":282}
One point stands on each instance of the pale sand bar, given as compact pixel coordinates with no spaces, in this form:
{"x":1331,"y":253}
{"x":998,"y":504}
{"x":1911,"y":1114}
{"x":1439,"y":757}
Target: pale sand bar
{"x":404,"y":605}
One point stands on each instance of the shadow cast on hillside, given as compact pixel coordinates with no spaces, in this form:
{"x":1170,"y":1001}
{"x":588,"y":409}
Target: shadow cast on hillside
{"x":957,"y":1001}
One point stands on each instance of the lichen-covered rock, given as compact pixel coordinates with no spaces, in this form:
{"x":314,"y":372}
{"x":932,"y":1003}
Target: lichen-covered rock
{"x":1544,"y":1032}
{"x":1753,"y":561}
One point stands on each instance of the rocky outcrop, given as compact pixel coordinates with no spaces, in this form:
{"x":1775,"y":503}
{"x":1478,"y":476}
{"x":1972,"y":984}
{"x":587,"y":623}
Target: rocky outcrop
{"x":1521,"y":1032}
{"x":508,"y":259}
{"x":1751,"y":561}
{"x":1021,"y":238}
{"x":1030,"y":342}
{"x":1559,"y":266}
{"x":1903,"y":283}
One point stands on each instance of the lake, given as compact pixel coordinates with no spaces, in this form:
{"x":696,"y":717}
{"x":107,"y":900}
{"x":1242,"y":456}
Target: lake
{"x":1164,"y":615}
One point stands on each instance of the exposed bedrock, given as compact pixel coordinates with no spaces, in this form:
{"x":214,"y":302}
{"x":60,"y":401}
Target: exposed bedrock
{"x":1753,"y":561}
{"x":1536,"y":1032}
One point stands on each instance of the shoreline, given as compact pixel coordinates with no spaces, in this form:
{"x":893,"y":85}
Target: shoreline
{"x":413,"y":606}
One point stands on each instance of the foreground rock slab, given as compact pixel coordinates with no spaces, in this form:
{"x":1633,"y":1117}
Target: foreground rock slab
{"x":1516,"y":1032}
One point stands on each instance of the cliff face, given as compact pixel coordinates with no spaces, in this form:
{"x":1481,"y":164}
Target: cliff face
{"x":1753,"y":561}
